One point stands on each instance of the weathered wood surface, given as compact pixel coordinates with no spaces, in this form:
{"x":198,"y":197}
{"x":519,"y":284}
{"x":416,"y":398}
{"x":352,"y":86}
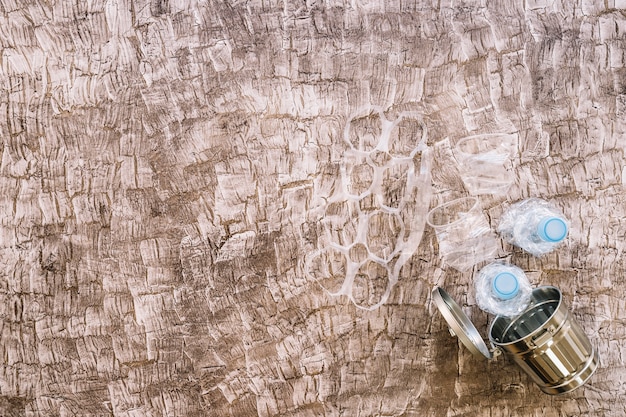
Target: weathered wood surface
{"x":163,"y":178}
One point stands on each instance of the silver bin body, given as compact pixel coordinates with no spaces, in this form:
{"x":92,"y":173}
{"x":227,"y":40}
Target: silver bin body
{"x":547,"y":343}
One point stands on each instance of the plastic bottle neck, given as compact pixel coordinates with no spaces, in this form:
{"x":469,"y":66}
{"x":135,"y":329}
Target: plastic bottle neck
{"x":552,"y":229}
{"x":505,"y":285}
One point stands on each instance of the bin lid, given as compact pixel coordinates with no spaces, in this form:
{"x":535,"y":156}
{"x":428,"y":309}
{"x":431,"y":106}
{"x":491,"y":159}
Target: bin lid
{"x":460,"y":325}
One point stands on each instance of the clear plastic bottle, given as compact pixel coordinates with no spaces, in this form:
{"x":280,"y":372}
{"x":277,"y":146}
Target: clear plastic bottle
{"x":533,"y":225}
{"x":502,"y":289}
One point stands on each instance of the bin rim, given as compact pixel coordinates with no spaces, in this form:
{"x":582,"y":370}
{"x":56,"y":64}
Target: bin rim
{"x":532,"y":305}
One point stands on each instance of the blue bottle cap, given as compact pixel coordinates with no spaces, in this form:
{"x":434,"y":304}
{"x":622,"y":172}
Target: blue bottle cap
{"x":505,"y":285}
{"x":552,"y":229}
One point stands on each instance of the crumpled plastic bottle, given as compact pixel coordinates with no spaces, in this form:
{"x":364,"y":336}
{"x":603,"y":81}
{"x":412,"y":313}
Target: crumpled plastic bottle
{"x":502,"y":289}
{"x":533,"y":225}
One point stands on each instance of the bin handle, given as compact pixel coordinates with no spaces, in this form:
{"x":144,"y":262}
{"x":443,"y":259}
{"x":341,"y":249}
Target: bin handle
{"x":495,"y":350}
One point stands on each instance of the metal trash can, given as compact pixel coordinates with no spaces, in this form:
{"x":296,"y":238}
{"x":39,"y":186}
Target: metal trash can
{"x":544,"y":340}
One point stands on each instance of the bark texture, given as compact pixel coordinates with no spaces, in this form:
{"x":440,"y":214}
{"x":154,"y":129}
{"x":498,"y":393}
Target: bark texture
{"x":184,"y":185}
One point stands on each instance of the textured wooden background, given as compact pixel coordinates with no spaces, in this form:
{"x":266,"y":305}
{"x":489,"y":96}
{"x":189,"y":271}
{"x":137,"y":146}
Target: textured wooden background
{"x":166,"y":168}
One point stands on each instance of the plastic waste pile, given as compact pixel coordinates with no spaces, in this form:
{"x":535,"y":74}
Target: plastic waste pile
{"x":532,"y":325}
